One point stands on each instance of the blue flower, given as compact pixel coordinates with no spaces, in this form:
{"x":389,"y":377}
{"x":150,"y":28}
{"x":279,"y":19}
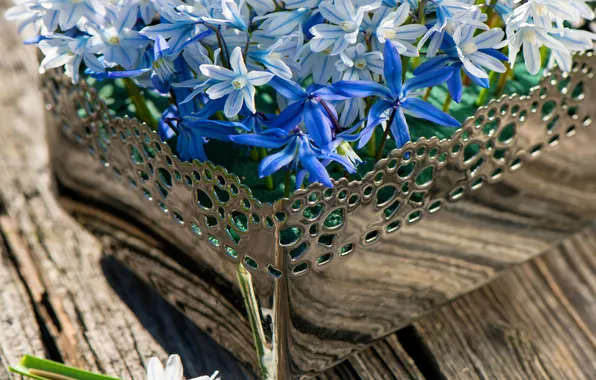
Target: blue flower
{"x":311,"y":106}
{"x":470,"y":53}
{"x":163,"y":71}
{"x":297,"y":151}
{"x":195,"y":130}
{"x":398,"y":98}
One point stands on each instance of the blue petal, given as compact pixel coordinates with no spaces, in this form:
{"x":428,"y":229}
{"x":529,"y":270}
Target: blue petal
{"x":262,"y":141}
{"x":119,"y":74}
{"x":373,"y":119}
{"x":362,"y":89}
{"x":274,"y":162}
{"x":399,"y":128}
{"x":433,"y":64}
{"x":288,"y":89}
{"x":392,"y":68}
{"x":317,"y":122}
{"x":428,"y":79}
{"x":316,"y":170}
{"x":455,"y":86}
{"x":289,"y":118}
{"x":424,"y":110}
{"x":495,"y":53}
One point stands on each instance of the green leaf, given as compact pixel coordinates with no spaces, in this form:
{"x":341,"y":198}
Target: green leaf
{"x":42,"y":369}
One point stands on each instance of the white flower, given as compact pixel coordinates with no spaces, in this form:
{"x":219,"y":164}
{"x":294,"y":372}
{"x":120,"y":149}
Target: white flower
{"x":283,"y":23}
{"x":68,"y":52}
{"x":532,"y":37}
{"x":357,"y":64}
{"x":401,"y":36}
{"x":469,"y":50}
{"x":238,"y":83}
{"x":71,"y":12}
{"x":279,"y":56}
{"x":574,"y":40}
{"x":543,"y":13}
{"x":173,"y":370}
{"x":320,"y":65}
{"x":118,"y":42}
{"x":344,"y":28}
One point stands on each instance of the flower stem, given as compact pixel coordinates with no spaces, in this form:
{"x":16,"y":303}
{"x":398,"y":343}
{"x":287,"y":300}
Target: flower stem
{"x":427,"y":94}
{"x":502,"y":82}
{"x":385,"y":135}
{"x":447,"y":103}
{"x":405,"y":61}
{"x":483,"y":96}
{"x":225,"y":54}
{"x":268,"y":180}
{"x":138,"y":100}
{"x":287,"y":183}
{"x":371,"y":146}
{"x":254,"y":154}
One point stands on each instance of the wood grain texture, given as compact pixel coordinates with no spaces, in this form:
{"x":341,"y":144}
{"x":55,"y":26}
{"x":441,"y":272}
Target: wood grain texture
{"x":57,"y":274}
{"x":537,"y":321}
{"x":61,"y":297}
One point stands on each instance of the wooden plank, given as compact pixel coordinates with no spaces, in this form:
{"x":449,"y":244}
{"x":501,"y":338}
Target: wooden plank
{"x":60,"y":262}
{"x":537,"y":321}
{"x":19,"y":330}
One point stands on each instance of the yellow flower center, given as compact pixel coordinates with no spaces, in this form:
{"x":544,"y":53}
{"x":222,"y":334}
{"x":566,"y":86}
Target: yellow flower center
{"x":115,"y":40}
{"x":360,"y":63}
{"x":469,"y":48}
{"x":347,"y":26}
{"x":529,"y":35}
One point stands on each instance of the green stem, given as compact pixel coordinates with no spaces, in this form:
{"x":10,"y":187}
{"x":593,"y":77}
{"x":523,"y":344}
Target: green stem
{"x":483,"y":96}
{"x":385,"y":135}
{"x":427,"y":94}
{"x":502,"y":82}
{"x":287,"y":184}
{"x":254,"y":154}
{"x":371,"y":146}
{"x":404,"y":67}
{"x":254,"y":318}
{"x":138,"y":100}
{"x":268,"y":180}
{"x":447,"y":103}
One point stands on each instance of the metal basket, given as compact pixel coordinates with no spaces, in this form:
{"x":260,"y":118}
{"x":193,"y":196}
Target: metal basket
{"x":368,"y":256}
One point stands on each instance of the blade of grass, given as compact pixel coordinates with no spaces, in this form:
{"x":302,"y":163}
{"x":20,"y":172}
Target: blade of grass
{"x":42,"y":369}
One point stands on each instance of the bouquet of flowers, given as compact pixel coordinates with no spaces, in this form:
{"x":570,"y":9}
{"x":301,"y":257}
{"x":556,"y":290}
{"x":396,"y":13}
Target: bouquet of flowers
{"x":312,"y":89}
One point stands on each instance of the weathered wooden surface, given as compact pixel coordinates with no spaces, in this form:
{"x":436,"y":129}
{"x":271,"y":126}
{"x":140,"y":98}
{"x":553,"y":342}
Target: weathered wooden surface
{"x":60,"y":297}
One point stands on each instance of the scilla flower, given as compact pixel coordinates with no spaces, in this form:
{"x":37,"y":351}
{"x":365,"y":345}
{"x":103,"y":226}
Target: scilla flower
{"x":531,"y":37}
{"x":173,"y":370}
{"x":238,"y":84}
{"x":344,"y":28}
{"x":397,"y":98}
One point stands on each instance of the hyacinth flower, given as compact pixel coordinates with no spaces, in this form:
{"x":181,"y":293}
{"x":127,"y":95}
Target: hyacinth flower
{"x":311,"y":106}
{"x":398,"y":98}
{"x":238,"y":84}
{"x":469,"y":52}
